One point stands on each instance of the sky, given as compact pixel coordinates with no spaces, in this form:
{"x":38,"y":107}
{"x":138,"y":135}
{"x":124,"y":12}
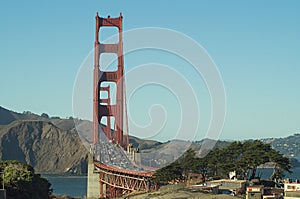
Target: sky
{"x":254,"y":45}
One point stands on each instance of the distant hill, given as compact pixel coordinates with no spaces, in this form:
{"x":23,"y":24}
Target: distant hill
{"x":289,"y":146}
{"x":56,"y":145}
{"x":50,"y":144}
{"x":143,"y":144}
{"x":8,"y":116}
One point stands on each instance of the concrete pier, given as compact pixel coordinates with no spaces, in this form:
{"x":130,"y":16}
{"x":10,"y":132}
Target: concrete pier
{"x":93,"y":186}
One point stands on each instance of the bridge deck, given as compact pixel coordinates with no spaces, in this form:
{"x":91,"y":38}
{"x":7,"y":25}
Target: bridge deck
{"x":123,"y":171}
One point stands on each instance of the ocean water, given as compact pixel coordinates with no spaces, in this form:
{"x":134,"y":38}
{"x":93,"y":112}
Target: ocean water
{"x":265,"y":173}
{"x":76,"y":186}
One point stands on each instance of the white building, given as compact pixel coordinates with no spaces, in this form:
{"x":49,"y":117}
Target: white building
{"x":291,"y":190}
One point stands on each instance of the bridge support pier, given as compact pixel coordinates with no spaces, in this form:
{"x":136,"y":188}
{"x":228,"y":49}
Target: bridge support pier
{"x":93,"y":191}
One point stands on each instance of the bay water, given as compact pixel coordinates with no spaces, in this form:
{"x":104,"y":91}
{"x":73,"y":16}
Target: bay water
{"x":68,"y":185}
{"x":265,"y":173}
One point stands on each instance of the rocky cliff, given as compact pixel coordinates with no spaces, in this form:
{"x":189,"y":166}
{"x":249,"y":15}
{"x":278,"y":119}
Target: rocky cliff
{"x":43,"y":145}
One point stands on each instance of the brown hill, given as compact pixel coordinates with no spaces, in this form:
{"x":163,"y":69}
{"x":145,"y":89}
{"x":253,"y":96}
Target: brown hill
{"x":44,"y":146}
{"x":7,"y":116}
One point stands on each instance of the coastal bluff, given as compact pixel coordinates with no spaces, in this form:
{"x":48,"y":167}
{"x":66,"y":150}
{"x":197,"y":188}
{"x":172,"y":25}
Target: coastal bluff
{"x":44,"y":146}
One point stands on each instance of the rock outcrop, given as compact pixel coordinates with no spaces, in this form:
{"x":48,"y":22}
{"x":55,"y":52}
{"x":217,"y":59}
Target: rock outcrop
{"x":47,"y":148}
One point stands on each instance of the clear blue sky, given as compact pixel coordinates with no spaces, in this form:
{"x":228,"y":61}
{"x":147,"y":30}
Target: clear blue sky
{"x":255,"y":45}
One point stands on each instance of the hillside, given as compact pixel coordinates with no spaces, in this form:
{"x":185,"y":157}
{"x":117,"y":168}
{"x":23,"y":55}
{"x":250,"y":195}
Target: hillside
{"x":50,"y":144}
{"x":44,"y":146}
{"x":54,"y":145}
{"x":178,"y":191}
{"x":289,"y":146}
{"x":7,"y":116}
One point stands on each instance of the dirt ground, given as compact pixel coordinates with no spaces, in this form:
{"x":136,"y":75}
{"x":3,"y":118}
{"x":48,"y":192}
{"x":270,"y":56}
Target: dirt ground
{"x":178,"y":192}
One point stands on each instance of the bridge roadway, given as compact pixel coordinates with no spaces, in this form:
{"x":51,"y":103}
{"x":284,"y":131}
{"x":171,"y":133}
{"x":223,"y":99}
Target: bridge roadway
{"x":112,"y":154}
{"x":118,"y":175}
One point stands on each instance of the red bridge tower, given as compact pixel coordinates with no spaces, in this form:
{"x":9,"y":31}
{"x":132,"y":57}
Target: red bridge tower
{"x":104,"y":107}
{"x":106,"y":180}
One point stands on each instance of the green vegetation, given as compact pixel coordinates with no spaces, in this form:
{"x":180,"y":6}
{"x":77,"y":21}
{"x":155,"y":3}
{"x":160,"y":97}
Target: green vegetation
{"x":244,"y":158}
{"x":45,"y":115}
{"x":241,"y":157}
{"x":178,"y":170}
{"x":22,"y":183}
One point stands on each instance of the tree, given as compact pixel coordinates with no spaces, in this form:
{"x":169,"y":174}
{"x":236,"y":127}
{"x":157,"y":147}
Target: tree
{"x":27,"y":112}
{"x":188,"y":163}
{"x":202,"y":167}
{"x":244,"y":158}
{"x":213,"y":159}
{"x":168,"y":173}
{"x":22,"y":183}
{"x":45,"y":115}
{"x":281,"y":164}
{"x":254,"y":154}
{"x":178,"y":170}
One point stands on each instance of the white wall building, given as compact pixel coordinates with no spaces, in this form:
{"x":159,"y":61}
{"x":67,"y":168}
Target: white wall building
{"x":291,"y":190}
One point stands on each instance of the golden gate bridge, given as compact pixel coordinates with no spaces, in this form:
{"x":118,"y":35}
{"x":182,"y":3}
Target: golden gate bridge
{"x":113,"y":169}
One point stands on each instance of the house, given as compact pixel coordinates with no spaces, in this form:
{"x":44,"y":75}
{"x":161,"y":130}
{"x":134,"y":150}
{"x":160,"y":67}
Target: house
{"x":291,"y":190}
{"x":255,"y":192}
{"x":273,"y":193}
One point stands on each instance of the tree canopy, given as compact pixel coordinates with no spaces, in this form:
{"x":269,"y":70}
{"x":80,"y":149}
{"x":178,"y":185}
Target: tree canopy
{"x":241,"y":157}
{"x":244,"y":158}
{"x":22,"y":183}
